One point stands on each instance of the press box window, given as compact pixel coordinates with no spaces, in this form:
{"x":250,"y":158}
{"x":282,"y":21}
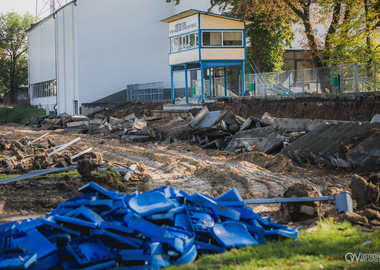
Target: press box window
{"x":174,"y":44}
{"x":212,"y":38}
{"x":233,"y":39}
{"x":184,"y":42}
{"x":223,"y":39}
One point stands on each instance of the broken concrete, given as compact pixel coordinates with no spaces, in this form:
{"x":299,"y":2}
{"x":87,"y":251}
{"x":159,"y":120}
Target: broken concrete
{"x":293,"y":124}
{"x":262,"y":139}
{"x":364,"y":192}
{"x":345,"y":145}
{"x":206,"y":119}
{"x":375,"y":118}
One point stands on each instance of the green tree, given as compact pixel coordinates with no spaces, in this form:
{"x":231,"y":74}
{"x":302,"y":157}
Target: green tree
{"x":357,"y":37}
{"x":13,"y":49}
{"x":270,"y":33}
{"x":352,"y":34}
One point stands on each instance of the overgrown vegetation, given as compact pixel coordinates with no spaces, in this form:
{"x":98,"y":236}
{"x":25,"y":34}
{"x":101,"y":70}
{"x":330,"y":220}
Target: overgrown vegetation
{"x":19,"y":114}
{"x":324,"y":248}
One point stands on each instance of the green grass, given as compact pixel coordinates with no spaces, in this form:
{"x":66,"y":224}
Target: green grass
{"x":324,"y":248}
{"x":19,"y":114}
{"x":72,"y":173}
{"x":5,"y":176}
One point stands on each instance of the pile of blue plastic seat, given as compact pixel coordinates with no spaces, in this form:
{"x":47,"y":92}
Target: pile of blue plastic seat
{"x":103,"y":229}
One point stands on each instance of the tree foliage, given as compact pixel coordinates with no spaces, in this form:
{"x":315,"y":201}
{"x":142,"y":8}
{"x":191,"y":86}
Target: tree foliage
{"x":350,"y":26}
{"x":13,"y":48}
{"x":357,"y":37}
{"x":270,"y":32}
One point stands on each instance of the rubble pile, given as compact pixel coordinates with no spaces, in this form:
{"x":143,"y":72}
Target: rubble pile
{"x":102,"y":229}
{"x":366,"y":193}
{"x":347,"y":144}
{"x":25,"y":155}
{"x":129,"y":127}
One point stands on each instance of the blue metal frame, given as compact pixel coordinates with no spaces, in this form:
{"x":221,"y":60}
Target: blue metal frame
{"x":199,"y":37}
{"x":186,"y":90}
{"x":210,"y":82}
{"x":209,"y":63}
{"x":225,"y":81}
{"x":172,"y":84}
{"x":243,"y":79}
{"x":202,"y":83}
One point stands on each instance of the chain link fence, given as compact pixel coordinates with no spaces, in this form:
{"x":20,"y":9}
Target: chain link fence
{"x":347,"y":78}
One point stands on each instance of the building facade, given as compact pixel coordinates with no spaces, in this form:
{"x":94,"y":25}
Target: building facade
{"x":89,"y":49}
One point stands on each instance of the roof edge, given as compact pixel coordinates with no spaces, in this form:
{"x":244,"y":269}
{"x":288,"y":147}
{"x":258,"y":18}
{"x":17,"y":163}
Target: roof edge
{"x":167,"y":20}
{"x":34,"y":25}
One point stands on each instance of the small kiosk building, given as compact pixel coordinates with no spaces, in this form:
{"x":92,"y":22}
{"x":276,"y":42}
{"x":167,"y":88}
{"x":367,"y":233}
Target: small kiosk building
{"x":203,"y":41}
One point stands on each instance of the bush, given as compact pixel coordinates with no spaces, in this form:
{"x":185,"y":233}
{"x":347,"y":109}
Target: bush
{"x":19,"y":114}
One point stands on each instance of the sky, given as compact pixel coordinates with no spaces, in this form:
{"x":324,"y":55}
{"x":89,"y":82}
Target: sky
{"x":19,"y":6}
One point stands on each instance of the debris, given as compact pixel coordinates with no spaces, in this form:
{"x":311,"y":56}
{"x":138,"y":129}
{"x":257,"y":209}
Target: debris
{"x":36,"y":140}
{"x":86,"y":165}
{"x":153,"y":229}
{"x":363,"y":192}
{"x":206,"y":119}
{"x":35,"y":173}
{"x":265,"y":140}
{"x":370,"y":213}
{"x":81,"y":153}
{"x":128,"y":175}
{"x":41,"y":159}
{"x":302,"y":210}
{"x":355,"y":218}
{"x":2,"y":203}
{"x":342,"y":145}
{"x":294,"y":124}
{"x":375,"y":118}
{"x":62,"y":147}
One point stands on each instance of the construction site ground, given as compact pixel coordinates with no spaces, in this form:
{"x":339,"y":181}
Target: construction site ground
{"x":181,"y":165}
{"x":187,"y":166}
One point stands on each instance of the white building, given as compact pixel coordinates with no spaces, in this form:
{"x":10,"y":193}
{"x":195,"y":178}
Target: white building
{"x":89,"y":49}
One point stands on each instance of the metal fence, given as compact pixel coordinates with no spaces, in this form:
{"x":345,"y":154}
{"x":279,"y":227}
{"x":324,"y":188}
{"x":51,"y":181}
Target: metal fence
{"x":145,"y":92}
{"x":347,"y":78}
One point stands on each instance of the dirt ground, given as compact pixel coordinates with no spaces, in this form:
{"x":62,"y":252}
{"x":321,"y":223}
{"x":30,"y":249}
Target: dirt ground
{"x":181,"y":165}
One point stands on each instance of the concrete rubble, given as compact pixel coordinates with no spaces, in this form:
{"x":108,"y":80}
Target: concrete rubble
{"x":337,"y":143}
{"x":342,"y":145}
{"x":101,"y":229}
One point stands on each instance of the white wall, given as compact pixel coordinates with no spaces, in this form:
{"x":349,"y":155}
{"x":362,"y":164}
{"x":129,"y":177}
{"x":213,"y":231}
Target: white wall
{"x":41,"y":53}
{"x":41,"y":61}
{"x":67,"y":71}
{"x":121,"y":42}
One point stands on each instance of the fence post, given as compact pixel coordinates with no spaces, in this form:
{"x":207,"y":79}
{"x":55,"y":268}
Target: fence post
{"x":356,"y":78}
{"x":332,"y":78}
{"x":303,"y":86}
{"x":341,"y":88}
{"x":256,"y":85}
{"x":265,"y":83}
{"x":375,"y":79}
{"x":316,"y":80}
{"x":290,"y":74}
